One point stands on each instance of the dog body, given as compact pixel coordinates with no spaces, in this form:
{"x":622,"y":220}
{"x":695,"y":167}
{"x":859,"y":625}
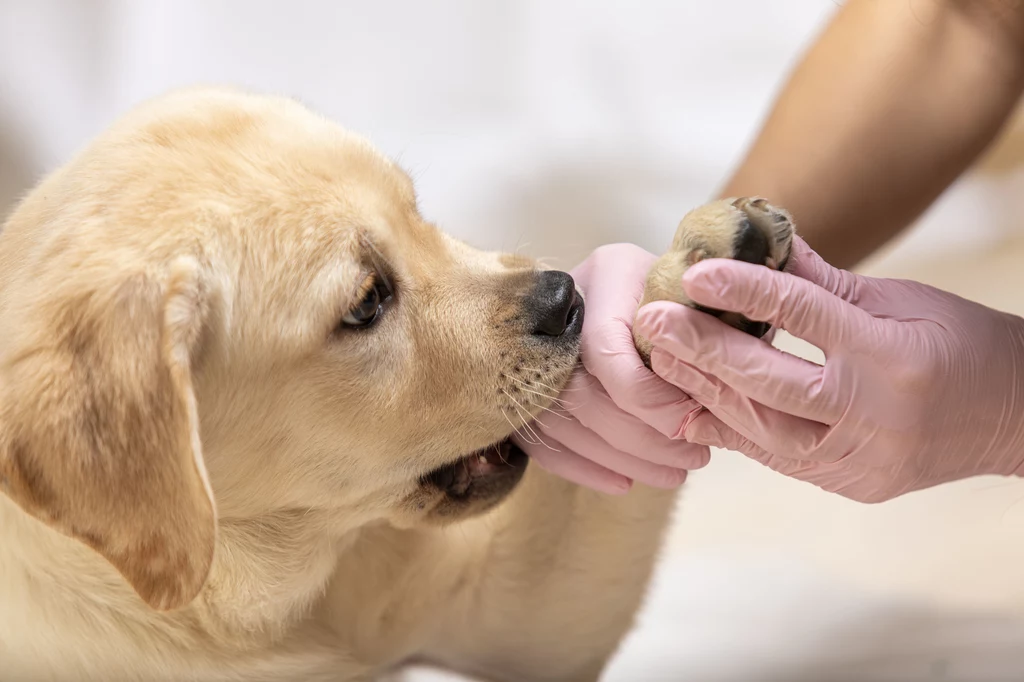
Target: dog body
{"x":529,"y":593}
{"x":255,"y":420}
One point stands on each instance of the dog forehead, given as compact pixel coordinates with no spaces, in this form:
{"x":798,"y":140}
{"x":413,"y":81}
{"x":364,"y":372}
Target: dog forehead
{"x":253,"y":153}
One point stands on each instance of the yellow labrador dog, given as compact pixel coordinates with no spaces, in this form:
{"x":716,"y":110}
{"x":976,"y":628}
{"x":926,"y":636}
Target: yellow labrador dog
{"x":255,"y":417}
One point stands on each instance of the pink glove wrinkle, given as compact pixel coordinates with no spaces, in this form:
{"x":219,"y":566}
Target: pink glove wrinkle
{"x":616,"y":421}
{"x":919,"y":387}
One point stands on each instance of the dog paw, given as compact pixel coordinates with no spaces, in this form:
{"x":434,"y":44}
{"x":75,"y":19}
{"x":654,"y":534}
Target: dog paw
{"x":747,"y":228}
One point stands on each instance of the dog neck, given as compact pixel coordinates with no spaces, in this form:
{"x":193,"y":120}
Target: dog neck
{"x":278,"y":566}
{"x":266,"y":574}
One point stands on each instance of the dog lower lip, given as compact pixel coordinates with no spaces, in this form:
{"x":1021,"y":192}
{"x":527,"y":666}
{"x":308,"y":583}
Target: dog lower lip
{"x":456,"y":478}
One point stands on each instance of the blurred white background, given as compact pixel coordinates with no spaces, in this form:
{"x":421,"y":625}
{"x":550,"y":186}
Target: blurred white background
{"x":554,"y":126}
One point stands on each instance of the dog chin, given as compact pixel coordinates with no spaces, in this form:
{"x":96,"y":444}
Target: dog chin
{"x":476,"y":483}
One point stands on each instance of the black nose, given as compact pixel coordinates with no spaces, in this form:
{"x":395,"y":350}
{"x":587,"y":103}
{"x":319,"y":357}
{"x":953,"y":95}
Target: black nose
{"x":554,"y":305}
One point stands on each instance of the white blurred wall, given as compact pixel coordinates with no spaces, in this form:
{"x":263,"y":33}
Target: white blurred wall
{"x":548,"y":125}
{"x":553,"y":124}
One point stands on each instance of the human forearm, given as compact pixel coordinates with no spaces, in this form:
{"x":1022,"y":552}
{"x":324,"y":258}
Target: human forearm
{"x":891,"y":104}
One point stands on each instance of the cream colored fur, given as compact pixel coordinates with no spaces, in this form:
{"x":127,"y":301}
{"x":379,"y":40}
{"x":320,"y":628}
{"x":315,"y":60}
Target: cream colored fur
{"x":206,"y":479}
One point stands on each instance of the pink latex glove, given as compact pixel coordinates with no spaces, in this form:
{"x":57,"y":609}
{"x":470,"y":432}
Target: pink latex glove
{"x":919,"y":386}
{"x":616,"y":421}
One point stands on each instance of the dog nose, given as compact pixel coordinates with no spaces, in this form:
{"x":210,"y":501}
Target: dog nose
{"x":554,"y":304}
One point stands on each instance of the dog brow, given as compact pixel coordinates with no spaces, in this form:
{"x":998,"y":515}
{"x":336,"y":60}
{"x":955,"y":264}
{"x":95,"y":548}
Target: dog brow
{"x":378,"y":259}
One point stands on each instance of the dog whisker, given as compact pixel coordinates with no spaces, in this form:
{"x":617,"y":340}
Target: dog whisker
{"x":540,"y":383}
{"x":524,"y":386}
{"x":554,"y":391}
{"x":557,"y":414}
{"x":516,"y":430}
{"x":567,"y":406}
{"x":497,"y":451}
{"x":533,"y":431}
{"x":518,"y":406}
{"x":529,"y":388}
{"x":549,"y":447}
{"x":560,"y":403}
{"x":526,"y":420}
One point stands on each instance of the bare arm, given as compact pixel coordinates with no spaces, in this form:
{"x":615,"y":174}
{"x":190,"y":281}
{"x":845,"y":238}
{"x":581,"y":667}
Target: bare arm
{"x":893,"y":102}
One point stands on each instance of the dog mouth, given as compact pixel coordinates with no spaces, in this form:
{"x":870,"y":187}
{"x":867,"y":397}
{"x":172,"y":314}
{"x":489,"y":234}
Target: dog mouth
{"x":491,"y":470}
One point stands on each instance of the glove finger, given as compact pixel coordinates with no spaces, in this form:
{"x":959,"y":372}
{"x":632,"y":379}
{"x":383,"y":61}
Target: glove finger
{"x":773,"y":431}
{"x":618,"y":294}
{"x":585,"y":399}
{"x":607,"y":350}
{"x":588,"y":444}
{"x":768,"y":375}
{"x":707,"y":428}
{"x":610,"y":356}
{"x":805,"y":263}
{"x":797,"y":305}
{"x":844,"y":478}
{"x":556,"y":459}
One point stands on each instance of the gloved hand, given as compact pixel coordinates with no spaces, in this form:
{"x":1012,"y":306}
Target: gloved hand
{"x":616,"y":421}
{"x":919,"y":386}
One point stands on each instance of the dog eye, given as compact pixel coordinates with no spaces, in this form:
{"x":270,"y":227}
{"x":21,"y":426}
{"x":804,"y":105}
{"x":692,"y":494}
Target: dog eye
{"x":369,"y":307}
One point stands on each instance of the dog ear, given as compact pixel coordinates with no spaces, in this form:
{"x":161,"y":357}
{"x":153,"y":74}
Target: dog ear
{"x":99,"y":436}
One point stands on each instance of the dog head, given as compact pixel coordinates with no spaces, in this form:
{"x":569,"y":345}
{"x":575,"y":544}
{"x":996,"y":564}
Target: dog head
{"x":227,"y":306}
